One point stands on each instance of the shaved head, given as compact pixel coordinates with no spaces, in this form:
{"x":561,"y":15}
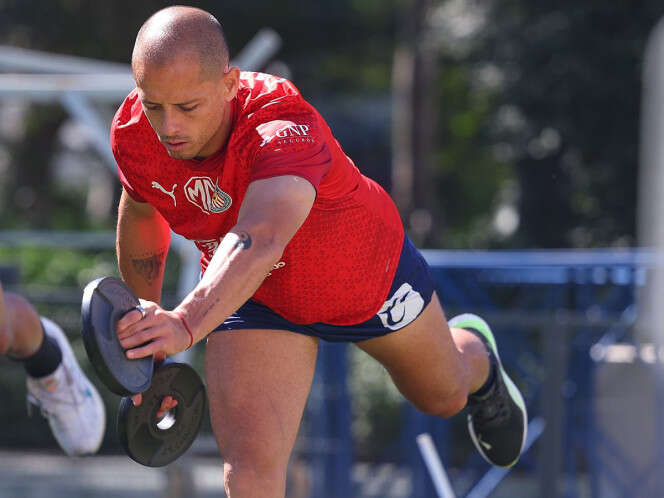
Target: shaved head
{"x":180,"y":32}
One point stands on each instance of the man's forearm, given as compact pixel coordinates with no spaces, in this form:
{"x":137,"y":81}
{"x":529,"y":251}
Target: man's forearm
{"x":238,"y":268}
{"x":143,"y":270}
{"x":142,"y":248}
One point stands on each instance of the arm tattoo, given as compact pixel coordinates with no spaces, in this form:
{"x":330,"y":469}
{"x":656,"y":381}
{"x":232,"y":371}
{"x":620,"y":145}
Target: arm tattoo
{"x":209,"y":308}
{"x":244,"y":242}
{"x":149,"y":268}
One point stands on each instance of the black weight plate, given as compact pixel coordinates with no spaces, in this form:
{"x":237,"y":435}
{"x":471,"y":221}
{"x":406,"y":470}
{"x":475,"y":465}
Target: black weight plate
{"x":105,"y":301}
{"x":141,"y":437}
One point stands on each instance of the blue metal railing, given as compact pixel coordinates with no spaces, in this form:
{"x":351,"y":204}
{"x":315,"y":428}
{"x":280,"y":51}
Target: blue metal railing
{"x":547,"y":309}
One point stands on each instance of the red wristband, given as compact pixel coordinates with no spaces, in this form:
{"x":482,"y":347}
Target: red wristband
{"x":186,"y":327}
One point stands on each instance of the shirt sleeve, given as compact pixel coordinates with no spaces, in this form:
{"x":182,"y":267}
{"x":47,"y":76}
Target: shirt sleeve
{"x":127,"y":186}
{"x":292,"y":145}
{"x":122,"y":163}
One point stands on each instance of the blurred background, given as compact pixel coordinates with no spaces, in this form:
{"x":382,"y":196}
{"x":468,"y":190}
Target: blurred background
{"x":522,"y":143}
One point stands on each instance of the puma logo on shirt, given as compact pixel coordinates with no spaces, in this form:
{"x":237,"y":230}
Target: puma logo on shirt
{"x":171,"y":194}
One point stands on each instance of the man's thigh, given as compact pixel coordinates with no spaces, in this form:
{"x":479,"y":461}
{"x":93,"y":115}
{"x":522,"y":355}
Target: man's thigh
{"x":422,"y":357}
{"x":258,"y":382}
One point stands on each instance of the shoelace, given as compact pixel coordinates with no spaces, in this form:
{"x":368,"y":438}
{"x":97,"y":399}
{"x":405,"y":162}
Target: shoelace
{"x":490,"y":412}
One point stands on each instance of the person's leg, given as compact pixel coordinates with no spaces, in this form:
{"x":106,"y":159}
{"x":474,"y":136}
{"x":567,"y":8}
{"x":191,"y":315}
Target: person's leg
{"x":55,"y":382}
{"x":22,"y":337}
{"x":438,"y":368}
{"x":497,"y":417}
{"x":434,"y":368}
{"x":20,"y":330}
{"x":258,"y":382}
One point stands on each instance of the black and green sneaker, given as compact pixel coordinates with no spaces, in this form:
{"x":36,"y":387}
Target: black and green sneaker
{"x":497,"y":418}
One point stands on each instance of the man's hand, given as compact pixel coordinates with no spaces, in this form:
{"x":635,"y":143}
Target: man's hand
{"x":160,"y":333}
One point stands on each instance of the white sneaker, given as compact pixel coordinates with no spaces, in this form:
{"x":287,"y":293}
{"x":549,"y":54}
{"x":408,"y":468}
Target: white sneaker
{"x":69,"y":401}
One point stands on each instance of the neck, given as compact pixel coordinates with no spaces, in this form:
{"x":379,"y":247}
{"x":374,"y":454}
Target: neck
{"x":220,"y":138}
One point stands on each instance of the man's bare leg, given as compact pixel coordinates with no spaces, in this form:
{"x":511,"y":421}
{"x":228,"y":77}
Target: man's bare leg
{"x":258,"y":383}
{"x":434,"y":367}
{"x":55,"y":382}
{"x":21,"y":332}
{"x":440,"y":370}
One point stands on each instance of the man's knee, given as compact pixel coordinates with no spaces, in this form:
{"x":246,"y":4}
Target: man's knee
{"x":445,"y":405}
{"x":251,"y":456}
{"x":15,"y":309}
{"x":18,"y":308}
{"x":249,"y":471}
{"x":245,"y":479}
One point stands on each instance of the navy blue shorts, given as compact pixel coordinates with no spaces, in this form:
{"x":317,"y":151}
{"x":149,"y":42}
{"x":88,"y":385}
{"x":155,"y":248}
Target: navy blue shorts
{"x":411,"y":291}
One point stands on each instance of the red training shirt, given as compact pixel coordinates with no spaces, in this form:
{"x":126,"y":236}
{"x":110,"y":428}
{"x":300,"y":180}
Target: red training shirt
{"x":339,"y":266}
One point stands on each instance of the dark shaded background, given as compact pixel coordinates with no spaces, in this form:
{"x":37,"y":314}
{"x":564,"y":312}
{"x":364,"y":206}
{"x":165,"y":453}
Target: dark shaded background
{"x":538,"y":107}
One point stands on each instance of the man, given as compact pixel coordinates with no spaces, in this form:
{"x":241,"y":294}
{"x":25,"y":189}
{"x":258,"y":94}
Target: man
{"x":296,"y":246}
{"x":56,"y":383}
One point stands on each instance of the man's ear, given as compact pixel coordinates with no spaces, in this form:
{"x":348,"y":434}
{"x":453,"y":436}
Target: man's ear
{"x":231,"y":82}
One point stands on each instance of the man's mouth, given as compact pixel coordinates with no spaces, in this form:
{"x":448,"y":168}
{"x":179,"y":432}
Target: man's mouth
{"x":175,"y":144}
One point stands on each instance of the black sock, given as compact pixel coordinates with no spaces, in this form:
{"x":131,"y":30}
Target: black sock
{"x":45,"y":360}
{"x":488,"y":384}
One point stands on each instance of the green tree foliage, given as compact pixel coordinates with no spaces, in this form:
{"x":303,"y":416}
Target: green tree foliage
{"x":561,"y":124}
{"x":568,"y":113}
{"x":332,"y":50}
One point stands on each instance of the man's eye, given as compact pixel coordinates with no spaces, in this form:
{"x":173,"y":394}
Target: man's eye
{"x":188,"y":109}
{"x":151,"y":107}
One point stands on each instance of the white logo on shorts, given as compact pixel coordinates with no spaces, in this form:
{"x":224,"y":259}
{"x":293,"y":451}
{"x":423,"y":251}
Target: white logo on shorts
{"x":402,"y":308}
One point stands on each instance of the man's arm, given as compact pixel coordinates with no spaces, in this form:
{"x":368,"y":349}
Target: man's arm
{"x":142,"y":241}
{"x":272,"y":211}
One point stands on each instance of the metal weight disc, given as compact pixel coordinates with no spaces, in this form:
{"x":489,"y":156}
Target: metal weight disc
{"x":105,"y":301}
{"x":157,"y":442}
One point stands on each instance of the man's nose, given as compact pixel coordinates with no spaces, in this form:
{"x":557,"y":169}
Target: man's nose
{"x":170,"y":125}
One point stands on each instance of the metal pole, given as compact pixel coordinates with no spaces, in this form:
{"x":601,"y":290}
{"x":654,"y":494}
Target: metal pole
{"x":438,"y":475}
{"x":651,"y":182}
{"x":556,"y":352}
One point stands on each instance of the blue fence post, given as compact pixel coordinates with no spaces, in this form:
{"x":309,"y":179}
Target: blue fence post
{"x":329,"y":411}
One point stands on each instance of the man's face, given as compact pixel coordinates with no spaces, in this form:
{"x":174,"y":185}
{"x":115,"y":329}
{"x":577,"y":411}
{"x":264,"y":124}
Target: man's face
{"x":188,"y":113}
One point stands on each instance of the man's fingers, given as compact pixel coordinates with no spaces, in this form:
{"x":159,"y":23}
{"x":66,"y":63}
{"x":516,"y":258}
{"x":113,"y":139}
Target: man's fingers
{"x":136,"y":314}
{"x":132,"y":328}
{"x":167,"y":404}
{"x":149,"y":349}
{"x":130,"y":318}
{"x":138,"y":337}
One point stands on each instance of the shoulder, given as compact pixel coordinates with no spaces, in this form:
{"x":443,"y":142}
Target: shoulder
{"x":130,"y":126}
{"x":269,"y":106}
{"x":260,"y":88}
{"x":263,"y":95}
{"x":129,"y":113}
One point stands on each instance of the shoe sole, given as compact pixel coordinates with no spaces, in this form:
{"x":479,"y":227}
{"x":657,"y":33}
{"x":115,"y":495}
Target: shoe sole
{"x":53,"y":330}
{"x":469,"y":320}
